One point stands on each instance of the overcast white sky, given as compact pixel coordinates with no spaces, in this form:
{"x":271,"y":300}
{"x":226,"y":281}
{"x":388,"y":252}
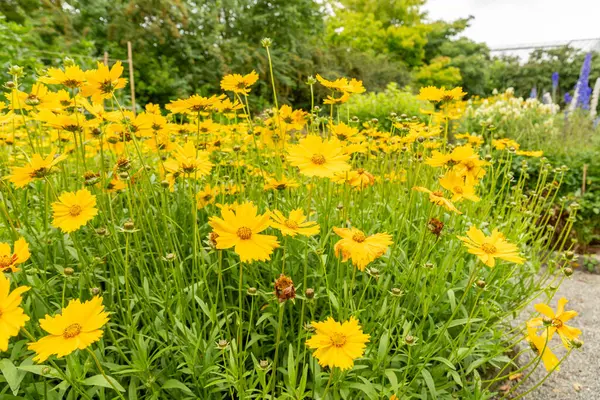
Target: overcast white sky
{"x":510,"y":22}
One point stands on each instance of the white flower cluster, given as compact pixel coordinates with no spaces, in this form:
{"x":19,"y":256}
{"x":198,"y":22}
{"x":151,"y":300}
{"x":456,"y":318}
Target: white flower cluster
{"x":505,"y":106}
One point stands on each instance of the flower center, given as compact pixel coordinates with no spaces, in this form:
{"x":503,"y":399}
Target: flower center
{"x":244,"y":233}
{"x":318,"y":159}
{"x":359,"y":237}
{"x":291,"y":224}
{"x":488,"y":248}
{"x":557,"y":323}
{"x":5,"y":261}
{"x":360,"y":171}
{"x":71,"y":331}
{"x":438,"y":193}
{"x":338,"y":339}
{"x":280,"y":186}
{"x":458,"y":189}
{"x":75,"y":210}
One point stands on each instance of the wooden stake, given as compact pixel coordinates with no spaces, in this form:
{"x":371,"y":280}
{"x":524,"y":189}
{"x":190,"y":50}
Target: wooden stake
{"x":585,"y":168}
{"x":106,"y":58}
{"x":131,"y":80}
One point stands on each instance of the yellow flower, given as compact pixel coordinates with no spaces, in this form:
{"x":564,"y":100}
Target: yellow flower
{"x":77,"y":327}
{"x":501,"y":144}
{"x":488,"y":248}
{"x":358,"y":247}
{"x":295,"y":224}
{"x":10,"y":260}
{"x":37,"y":168}
{"x":102,"y":82}
{"x":72,"y":77}
{"x":460,"y":187}
{"x":280,"y":184}
{"x":73,"y":210}
{"x":431,"y":93}
{"x":557,"y":321}
{"x":240,"y":229}
{"x":438,"y":198}
{"x":189,"y":162}
{"x":338,"y":344}
{"x":12,"y":317}
{"x":342,"y":85}
{"x":194,"y":104}
{"x":317,"y":157}
{"x":206,"y":196}
{"x":472,"y":139}
{"x":239,"y":84}
{"x":358,"y":179}
{"x":536,"y":154}
{"x":541,"y":345}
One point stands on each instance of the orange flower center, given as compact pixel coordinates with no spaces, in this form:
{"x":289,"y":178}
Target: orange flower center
{"x":318,"y":159}
{"x":75,"y":210}
{"x":291,"y":224}
{"x":360,"y":171}
{"x":71,"y":331}
{"x":458,"y":189}
{"x":5,"y":261}
{"x":338,"y":339}
{"x":557,"y":323}
{"x":244,"y":233}
{"x":488,"y":248}
{"x":359,"y":237}
{"x":438,"y":193}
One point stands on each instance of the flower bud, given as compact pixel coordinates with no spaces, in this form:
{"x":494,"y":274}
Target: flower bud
{"x":252,"y":291}
{"x":480,"y":284}
{"x":95,"y":291}
{"x":309,"y":293}
{"x":68,"y":271}
{"x":568,"y":271}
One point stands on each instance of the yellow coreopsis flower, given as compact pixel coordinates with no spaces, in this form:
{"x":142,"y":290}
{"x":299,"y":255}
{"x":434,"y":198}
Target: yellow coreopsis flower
{"x":297,"y":223}
{"x":73,"y":210}
{"x":241,"y":229}
{"x":188,"y":161}
{"x":438,"y":198}
{"x":358,"y":247}
{"x":536,"y":154}
{"x":239,"y":84}
{"x":76,"y":328}
{"x":206,"y":196}
{"x":9,"y":260}
{"x":37,"y":168}
{"x":280,"y":184}
{"x":488,"y":248}
{"x":556,"y":322}
{"x":102,"y":82}
{"x":12,"y":317}
{"x":461,"y":187}
{"x":72,"y":77}
{"x":505,"y":143}
{"x":338,"y":344}
{"x":317,"y":157}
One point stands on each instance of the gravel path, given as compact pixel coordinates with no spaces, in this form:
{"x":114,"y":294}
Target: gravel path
{"x":579,"y":375}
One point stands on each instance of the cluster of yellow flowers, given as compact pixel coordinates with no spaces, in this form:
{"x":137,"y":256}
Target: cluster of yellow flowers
{"x":183,"y":144}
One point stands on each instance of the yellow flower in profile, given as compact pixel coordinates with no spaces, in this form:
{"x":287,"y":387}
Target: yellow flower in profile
{"x":72,"y":77}
{"x":504,"y":143}
{"x":460,"y":187}
{"x":206,"y":196}
{"x":37,"y":168}
{"x":475,"y":140}
{"x":102,"y":82}
{"x":438,"y":198}
{"x":488,"y":248}
{"x":541,"y":345}
{"x":536,"y":154}
{"x":239,"y":84}
{"x":317,"y":157}
{"x":296,"y":223}
{"x":241,"y":229}
{"x":358,"y":179}
{"x":338,"y":344}
{"x":76,"y":328}
{"x":73,"y":210}
{"x":358,"y":247}
{"x":12,"y":317}
{"x":10,"y":260}
{"x":557,"y":321}
{"x":280,"y":184}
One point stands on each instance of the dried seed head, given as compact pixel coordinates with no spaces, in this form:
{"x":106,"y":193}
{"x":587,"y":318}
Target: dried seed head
{"x":284,"y":288}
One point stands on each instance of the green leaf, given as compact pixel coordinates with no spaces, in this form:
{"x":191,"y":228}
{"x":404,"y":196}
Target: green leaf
{"x":99,"y":380}
{"x":429,"y":382}
{"x":452,"y":299}
{"x":175,"y":384}
{"x":43,"y":370}
{"x":12,"y":375}
{"x":383,"y":346}
{"x":463,"y":321}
